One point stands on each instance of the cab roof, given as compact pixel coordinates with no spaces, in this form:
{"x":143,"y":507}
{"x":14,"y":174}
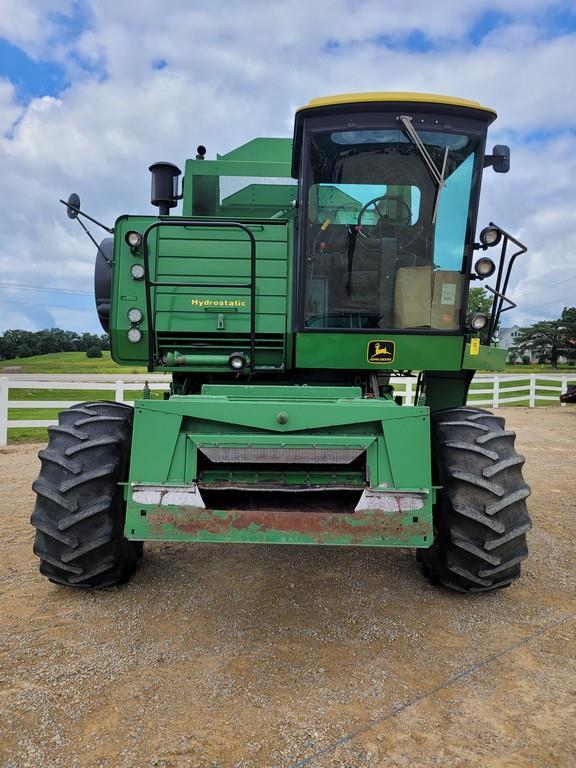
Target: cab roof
{"x":411,"y":98}
{"x":380,"y":101}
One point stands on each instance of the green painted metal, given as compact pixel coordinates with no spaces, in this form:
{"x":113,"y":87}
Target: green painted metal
{"x":202,"y":320}
{"x":289,"y":479}
{"x":175,"y":359}
{"x":487,"y":359}
{"x":260,"y":158}
{"x":391,"y":442}
{"x":412,"y":351}
{"x":445,"y":389}
{"x":262,"y":391}
{"x":262,"y":151}
{"x":215,"y":321}
{"x":206,"y":314}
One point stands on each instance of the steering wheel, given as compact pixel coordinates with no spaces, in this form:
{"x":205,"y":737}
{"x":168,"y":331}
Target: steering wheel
{"x":398,"y":222}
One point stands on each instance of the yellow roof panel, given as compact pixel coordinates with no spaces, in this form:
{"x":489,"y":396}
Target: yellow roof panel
{"x":428,"y":98}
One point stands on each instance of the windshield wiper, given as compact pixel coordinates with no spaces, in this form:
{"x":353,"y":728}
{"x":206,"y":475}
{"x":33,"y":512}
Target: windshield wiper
{"x":441,"y":184}
{"x":437,"y":176}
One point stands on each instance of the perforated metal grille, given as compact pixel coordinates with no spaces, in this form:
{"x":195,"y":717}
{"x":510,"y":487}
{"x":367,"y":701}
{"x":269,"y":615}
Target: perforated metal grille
{"x":281,"y":455}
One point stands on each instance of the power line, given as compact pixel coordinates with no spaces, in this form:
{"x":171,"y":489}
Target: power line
{"x":46,"y":289}
{"x":563,"y":299}
{"x":543,"y":287}
{"x":49,"y":306}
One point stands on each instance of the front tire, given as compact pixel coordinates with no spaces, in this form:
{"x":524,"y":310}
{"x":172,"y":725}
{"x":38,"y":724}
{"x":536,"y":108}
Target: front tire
{"x":79,"y":511}
{"x":480,"y":515}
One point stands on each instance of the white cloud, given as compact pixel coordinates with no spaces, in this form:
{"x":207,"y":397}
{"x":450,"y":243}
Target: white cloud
{"x":237,"y":70}
{"x":10,"y":111}
{"x":30,"y":24}
{"x":536,"y":202}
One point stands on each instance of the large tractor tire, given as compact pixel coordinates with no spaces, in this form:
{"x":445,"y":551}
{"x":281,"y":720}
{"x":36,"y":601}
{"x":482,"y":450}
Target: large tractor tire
{"x":79,"y":511}
{"x":480,"y":516}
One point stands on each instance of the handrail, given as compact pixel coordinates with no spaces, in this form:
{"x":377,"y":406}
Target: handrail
{"x":155,"y":283}
{"x":502,"y":285}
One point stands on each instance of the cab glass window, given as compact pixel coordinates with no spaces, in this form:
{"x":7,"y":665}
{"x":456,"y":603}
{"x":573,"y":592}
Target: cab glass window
{"x":384,"y":242}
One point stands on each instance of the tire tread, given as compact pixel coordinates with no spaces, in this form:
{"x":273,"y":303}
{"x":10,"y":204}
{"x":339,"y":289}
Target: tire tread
{"x":79,"y":510}
{"x":480,"y":516}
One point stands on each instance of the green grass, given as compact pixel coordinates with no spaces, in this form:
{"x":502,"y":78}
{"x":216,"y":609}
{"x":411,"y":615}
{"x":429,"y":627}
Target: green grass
{"x":40,"y":434}
{"x":69,"y":362}
{"x":17,"y":436}
{"x":135,"y":393}
{"x":563,"y":370}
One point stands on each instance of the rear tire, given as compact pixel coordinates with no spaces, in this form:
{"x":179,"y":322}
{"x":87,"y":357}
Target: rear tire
{"x":480,"y":515}
{"x":79,"y":511}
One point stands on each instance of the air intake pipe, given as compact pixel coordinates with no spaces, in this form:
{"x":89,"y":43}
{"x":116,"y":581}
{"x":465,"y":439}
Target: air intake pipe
{"x":164,"y":193}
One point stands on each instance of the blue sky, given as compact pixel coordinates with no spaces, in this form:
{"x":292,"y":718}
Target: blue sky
{"x":92,"y":92}
{"x":30,"y":78}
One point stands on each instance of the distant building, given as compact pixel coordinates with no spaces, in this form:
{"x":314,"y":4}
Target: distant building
{"x":507,"y":339}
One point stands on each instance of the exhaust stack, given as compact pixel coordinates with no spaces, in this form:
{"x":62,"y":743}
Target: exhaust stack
{"x":164,"y":192}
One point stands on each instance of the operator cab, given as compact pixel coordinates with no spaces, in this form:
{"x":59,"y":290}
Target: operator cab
{"x":389,"y":187}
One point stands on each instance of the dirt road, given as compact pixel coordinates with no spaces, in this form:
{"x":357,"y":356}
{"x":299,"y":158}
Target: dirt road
{"x":217,"y":656}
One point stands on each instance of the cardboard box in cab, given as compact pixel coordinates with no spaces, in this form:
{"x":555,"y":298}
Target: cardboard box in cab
{"x":427,"y":299}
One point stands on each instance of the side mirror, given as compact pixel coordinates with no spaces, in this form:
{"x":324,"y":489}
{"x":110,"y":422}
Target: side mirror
{"x":73,"y":206}
{"x":499,"y":159}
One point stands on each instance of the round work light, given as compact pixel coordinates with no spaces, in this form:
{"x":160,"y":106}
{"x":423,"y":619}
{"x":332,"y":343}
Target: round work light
{"x":137,"y":271}
{"x":490,"y":236}
{"x":485,"y":267}
{"x":134,"y":315}
{"x":237,"y":361}
{"x":133,"y":239}
{"x":134,"y":335}
{"x":478,"y":321}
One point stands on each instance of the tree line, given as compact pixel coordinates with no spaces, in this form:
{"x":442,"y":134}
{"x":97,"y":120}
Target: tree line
{"x":548,"y":340}
{"x":17,"y":343}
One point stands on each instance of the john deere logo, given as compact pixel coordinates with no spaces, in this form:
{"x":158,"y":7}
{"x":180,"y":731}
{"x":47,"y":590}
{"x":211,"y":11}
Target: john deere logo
{"x":381,"y":351}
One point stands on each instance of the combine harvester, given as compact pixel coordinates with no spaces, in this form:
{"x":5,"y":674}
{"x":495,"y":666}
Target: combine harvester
{"x":302,"y":277}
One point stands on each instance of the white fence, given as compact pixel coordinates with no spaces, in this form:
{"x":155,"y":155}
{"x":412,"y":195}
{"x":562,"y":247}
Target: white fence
{"x":118,"y":388}
{"x":494,"y":391}
{"x":524,"y":389}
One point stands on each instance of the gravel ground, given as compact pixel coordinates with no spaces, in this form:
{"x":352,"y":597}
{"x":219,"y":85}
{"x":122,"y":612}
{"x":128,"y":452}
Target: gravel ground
{"x":284,"y":657}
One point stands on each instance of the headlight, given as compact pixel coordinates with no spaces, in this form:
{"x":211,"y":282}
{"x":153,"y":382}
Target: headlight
{"x":478,"y":321}
{"x":133,"y":239}
{"x":137,"y":271}
{"x":237,"y":361}
{"x":484,"y":267}
{"x":134,"y":335}
{"x":490,"y":236}
{"x":134,"y":315}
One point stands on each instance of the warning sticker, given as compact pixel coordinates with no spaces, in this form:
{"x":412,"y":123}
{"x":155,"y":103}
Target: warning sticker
{"x":380,"y":351}
{"x":474,"y":346}
{"x":448,"y":296}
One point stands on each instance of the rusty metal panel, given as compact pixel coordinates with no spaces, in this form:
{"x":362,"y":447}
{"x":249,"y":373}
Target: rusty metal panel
{"x":365,"y":528}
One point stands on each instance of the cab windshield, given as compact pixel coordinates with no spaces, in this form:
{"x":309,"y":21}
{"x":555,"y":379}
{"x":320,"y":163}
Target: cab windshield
{"x":385,"y":232}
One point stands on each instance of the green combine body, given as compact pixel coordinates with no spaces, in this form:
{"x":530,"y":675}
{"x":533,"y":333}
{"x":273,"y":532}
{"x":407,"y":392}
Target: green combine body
{"x":300,"y":279}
